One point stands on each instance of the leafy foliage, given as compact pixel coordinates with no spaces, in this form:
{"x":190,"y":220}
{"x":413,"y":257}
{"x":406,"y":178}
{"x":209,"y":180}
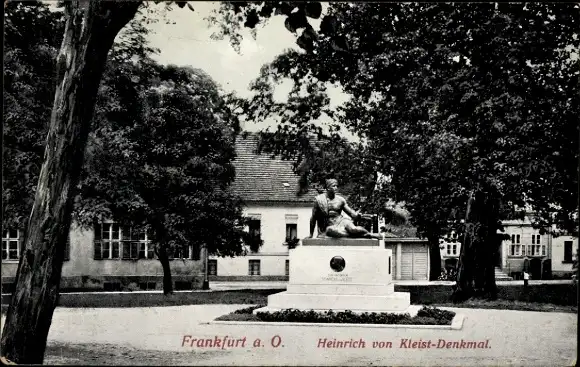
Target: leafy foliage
{"x":447,"y":107}
{"x":292,"y":243}
{"x":160,"y":133}
{"x":232,"y":17}
{"x":161,"y":158}
{"x":409,"y":85}
{"x":32,"y":36}
{"x":425,"y":316}
{"x":24,"y":339}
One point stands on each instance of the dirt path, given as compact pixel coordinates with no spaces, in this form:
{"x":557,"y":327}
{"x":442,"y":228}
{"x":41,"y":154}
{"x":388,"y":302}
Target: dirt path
{"x":117,"y":355}
{"x":154,"y":336}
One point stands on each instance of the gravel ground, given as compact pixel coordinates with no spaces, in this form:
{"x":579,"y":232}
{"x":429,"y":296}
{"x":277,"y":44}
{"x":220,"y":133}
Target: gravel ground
{"x":118,"y":355}
{"x":148,"y":336}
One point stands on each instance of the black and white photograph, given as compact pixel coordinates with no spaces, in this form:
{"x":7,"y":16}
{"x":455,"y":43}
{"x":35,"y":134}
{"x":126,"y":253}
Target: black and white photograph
{"x":290,"y":183}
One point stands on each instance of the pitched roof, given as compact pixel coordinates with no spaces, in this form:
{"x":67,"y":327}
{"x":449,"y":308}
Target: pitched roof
{"x":259,"y":177}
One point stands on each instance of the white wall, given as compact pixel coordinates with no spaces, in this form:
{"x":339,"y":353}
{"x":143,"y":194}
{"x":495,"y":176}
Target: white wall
{"x":273,"y":221}
{"x":558,"y":253}
{"x":238,"y":266}
{"x":273,"y":253}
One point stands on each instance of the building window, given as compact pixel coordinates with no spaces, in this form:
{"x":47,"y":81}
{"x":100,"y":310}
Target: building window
{"x":567,"y":251}
{"x":536,"y":248}
{"x":212,"y":267}
{"x":130,"y":251}
{"x":10,"y":244}
{"x":254,"y":267}
{"x":113,"y":241}
{"x":254,"y":227}
{"x":291,"y":231}
{"x":254,"y":240}
{"x":107,"y":241}
{"x":182,"y":252}
{"x":515,"y":249}
{"x":146,"y":248}
{"x":451,"y":249}
{"x":287,"y":271}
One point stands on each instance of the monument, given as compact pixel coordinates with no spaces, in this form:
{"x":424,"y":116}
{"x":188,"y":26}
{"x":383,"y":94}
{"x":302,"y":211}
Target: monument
{"x":344,"y":268}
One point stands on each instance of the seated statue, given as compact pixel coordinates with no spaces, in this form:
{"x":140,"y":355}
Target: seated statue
{"x":327,"y":214}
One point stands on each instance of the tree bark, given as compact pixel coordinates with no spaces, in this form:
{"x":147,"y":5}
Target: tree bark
{"x":91,"y":27}
{"x":476,"y":269}
{"x":164,"y":260}
{"x":434,"y":257}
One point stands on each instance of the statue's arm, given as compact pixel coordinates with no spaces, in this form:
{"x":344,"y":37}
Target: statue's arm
{"x":348,"y":210}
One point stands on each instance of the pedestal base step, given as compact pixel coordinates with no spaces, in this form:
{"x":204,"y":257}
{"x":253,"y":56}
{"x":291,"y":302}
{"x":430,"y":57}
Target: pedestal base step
{"x":343,"y":289}
{"x":396,"y":301}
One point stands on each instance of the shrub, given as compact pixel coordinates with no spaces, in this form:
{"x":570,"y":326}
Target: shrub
{"x":435,"y":313}
{"x":448,"y":275}
{"x":422,"y":321}
{"x":247,"y":310}
{"x":425,"y":316}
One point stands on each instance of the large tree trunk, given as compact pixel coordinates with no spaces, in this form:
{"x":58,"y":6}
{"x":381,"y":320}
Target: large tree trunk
{"x":434,"y":257}
{"x":476,"y":269}
{"x":91,"y":27}
{"x":164,"y":260}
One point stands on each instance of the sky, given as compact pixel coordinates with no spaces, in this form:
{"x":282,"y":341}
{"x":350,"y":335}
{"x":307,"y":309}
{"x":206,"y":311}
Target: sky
{"x":183,"y":39}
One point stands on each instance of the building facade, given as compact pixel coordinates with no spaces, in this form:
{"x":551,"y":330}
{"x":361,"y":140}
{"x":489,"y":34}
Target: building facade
{"x":111,"y":257}
{"x":276,"y":223}
{"x":108,"y":257}
{"x":524,"y":248}
{"x":279,"y":212}
{"x":270,"y":190}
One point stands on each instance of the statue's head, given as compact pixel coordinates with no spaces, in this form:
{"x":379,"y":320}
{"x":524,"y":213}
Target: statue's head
{"x":331,"y":185}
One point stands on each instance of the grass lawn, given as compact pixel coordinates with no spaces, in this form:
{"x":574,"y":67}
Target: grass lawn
{"x":158,"y":299}
{"x":259,"y":297}
{"x":502,"y":304}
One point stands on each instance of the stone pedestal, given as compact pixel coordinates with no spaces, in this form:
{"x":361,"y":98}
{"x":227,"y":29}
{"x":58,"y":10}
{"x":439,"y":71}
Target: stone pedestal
{"x":340,"y":274}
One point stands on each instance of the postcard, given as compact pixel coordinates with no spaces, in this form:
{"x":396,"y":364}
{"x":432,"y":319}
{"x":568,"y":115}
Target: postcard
{"x":290,"y":183}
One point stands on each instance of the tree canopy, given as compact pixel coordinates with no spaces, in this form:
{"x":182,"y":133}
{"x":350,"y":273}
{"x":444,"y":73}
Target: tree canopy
{"x":32,"y":37}
{"x":437,"y":100}
{"x":447,"y":106}
{"x":160,"y":157}
{"x":90,"y":29}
